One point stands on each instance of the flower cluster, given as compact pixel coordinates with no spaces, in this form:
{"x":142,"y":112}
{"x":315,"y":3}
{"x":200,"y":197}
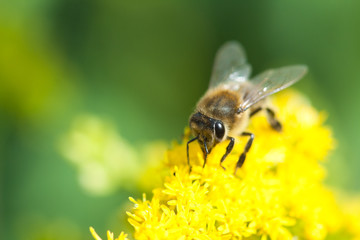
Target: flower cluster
{"x":104,"y":160}
{"x":110,"y":235}
{"x":277,"y":194}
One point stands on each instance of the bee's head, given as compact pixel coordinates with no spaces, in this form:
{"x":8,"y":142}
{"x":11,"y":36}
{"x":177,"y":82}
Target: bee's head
{"x":208,"y":131}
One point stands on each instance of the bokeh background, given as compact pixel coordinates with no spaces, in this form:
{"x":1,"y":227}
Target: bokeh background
{"x":89,"y":89}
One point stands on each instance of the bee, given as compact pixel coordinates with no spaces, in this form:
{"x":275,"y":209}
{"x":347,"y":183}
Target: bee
{"x":232,"y":99}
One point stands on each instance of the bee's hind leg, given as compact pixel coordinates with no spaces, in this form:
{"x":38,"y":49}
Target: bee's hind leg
{"x":275,"y":124}
{"x":255,"y":111}
{"x":242,"y":157}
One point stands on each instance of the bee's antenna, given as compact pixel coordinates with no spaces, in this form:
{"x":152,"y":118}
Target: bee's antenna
{"x":187,"y":149}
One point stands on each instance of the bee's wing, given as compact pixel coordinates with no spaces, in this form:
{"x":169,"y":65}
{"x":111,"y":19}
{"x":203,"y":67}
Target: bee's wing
{"x":230,"y":66}
{"x":272,"y":81}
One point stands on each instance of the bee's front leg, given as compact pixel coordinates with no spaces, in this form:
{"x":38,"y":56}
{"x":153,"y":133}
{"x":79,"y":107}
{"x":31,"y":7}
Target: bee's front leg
{"x":187,"y":150}
{"x":206,"y":152}
{"x":228,"y":150}
{"x":242,"y":157}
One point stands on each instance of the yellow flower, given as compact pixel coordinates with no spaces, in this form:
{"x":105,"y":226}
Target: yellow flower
{"x":104,"y":160}
{"x":277,"y":194}
{"x":110,"y":235}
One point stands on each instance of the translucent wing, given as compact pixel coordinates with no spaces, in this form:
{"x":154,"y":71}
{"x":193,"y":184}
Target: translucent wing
{"x":272,"y":81}
{"x":230,"y":65}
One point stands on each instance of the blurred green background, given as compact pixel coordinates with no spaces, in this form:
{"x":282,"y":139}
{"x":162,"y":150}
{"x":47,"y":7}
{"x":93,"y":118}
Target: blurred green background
{"x":132,"y":73}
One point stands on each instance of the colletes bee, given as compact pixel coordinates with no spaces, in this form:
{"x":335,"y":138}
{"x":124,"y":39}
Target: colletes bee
{"x":232,"y":99}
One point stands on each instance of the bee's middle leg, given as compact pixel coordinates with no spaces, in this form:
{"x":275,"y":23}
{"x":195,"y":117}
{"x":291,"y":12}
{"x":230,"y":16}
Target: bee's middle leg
{"x":242,"y":157}
{"x":228,"y":150}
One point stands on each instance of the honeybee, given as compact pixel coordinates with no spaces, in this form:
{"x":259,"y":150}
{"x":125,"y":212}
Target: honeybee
{"x":232,"y":99}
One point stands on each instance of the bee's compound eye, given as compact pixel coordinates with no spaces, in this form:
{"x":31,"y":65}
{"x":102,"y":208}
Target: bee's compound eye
{"x":219,"y":130}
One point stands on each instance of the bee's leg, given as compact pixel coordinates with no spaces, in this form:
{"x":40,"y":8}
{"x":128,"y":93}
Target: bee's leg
{"x":275,"y":124}
{"x":246,"y":149}
{"x":187,"y":150}
{"x":255,"y":111}
{"x":228,"y":150}
{"x":205,"y":153}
